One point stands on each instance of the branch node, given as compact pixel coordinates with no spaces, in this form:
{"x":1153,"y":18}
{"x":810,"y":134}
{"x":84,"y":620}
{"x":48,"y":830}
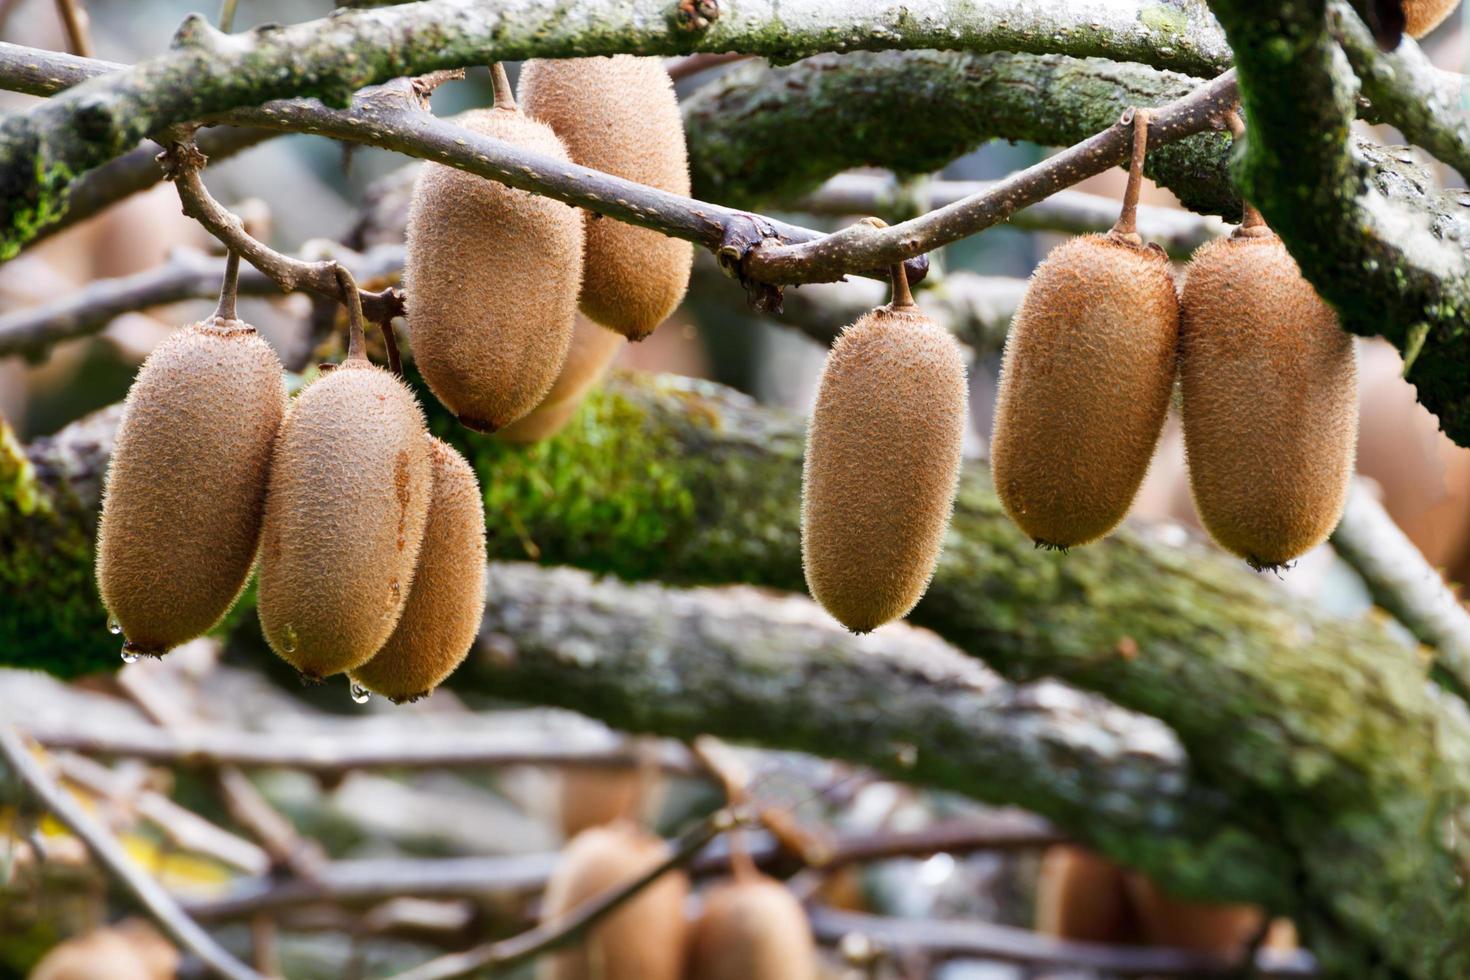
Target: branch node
{"x":693,"y":16}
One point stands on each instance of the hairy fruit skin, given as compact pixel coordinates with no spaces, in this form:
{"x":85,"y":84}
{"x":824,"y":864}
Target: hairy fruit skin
{"x":752,"y":929}
{"x":592,"y":352}
{"x":492,"y":275}
{"x":442,"y":614}
{"x":620,"y":115}
{"x":1269,"y":401}
{"x":882,"y":464}
{"x":1085,"y":384}
{"x":1423,"y":16}
{"x":644,"y":938}
{"x":186,"y":491}
{"x":344,"y":519}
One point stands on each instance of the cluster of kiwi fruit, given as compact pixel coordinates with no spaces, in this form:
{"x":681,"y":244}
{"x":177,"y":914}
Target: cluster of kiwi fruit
{"x":1267,"y":388}
{"x":369,"y":532}
{"x":749,"y":927}
{"x":496,"y":276}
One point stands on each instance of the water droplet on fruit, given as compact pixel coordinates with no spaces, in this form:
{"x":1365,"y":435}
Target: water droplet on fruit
{"x":113,"y":626}
{"x":360,"y":694}
{"x":290,"y":645}
{"x":128,"y":656}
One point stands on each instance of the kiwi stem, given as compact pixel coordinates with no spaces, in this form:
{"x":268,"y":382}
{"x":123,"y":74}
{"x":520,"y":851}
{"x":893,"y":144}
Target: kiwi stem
{"x":390,"y":342}
{"x":228,"y":288}
{"x":505,"y":96}
{"x":356,"y":337}
{"x":1127,"y":224}
{"x":1251,"y":223}
{"x":902,"y":298}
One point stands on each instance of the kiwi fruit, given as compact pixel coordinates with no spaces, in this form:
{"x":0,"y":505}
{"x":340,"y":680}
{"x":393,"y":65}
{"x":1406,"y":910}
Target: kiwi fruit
{"x":1085,"y":897}
{"x":492,"y":275}
{"x":130,"y":950}
{"x":1085,"y":383}
{"x":593,"y":797}
{"x":186,"y":491}
{"x":752,"y":928}
{"x":592,"y":352}
{"x":620,"y":115}
{"x":442,"y":614}
{"x":344,"y":519}
{"x":882,"y":463}
{"x":1423,"y":16}
{"x":1205,"y":926}
{"x":644,"y":938}
{"x":1269,"y":399}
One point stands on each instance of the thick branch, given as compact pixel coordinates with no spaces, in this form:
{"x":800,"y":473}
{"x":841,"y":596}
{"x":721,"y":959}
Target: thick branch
{"x":45,"y":149}
{"x":1383,"y":266}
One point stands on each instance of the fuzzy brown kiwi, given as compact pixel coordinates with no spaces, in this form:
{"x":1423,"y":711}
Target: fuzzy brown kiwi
{"x":751,"y":928}
{"x":591,"y":354}
{"x":1081,"y":895}
{"x":644,"y":938}
{"x":620,"y":115}
{"x":1206,"y":926}
{"x":492,"y":275}
{"x":1085,"y":382}
{"x":186,"y":491}
{"x":1269,"y":399}
{"x":345,"y":515}
{"x":882,"y":463}
{"x":447,"y":598}
{"x":1423,"y":16}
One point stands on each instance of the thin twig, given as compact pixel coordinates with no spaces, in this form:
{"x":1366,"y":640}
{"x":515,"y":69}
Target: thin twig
{"x":355,"y":882}
{"x":1403,"y":582}
{"x":110,"y":854}
{"x":1127,"y":223}
{"x":332,"y":754}
{"x":863,"y":246}
{"x":1076,"y":212}
{"x":74,"y":20}
{"x":181,"y":826}
{"x":183,"y":161}
{"x":227,"y":15}
{"x":560,"y":932}
{"x":693,"y":64}
{"x":1008,"y":944}
{"x":185,"y":274}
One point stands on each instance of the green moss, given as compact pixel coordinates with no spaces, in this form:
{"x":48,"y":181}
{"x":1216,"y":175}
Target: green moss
{"x":51,"y":618}
{"x":50,"y":190}
{"x":1165,"y":19}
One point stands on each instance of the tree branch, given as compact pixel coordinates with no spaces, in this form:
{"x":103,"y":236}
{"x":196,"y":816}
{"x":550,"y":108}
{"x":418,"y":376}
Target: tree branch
{"x":362,"y":881}
{"x":864,"y":245}
{"x":185,"y":274}
{"x":1008,"y":944}
{"x":1076,"y":212}
{"x":182,"y":163}
{"x":1424,"y":102}
{"x":44,"y":149}
{"x":1403,"y":583}
{"x":110,"y":854}
{"x":564,"y":931}
{"x":1384,"y":267}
